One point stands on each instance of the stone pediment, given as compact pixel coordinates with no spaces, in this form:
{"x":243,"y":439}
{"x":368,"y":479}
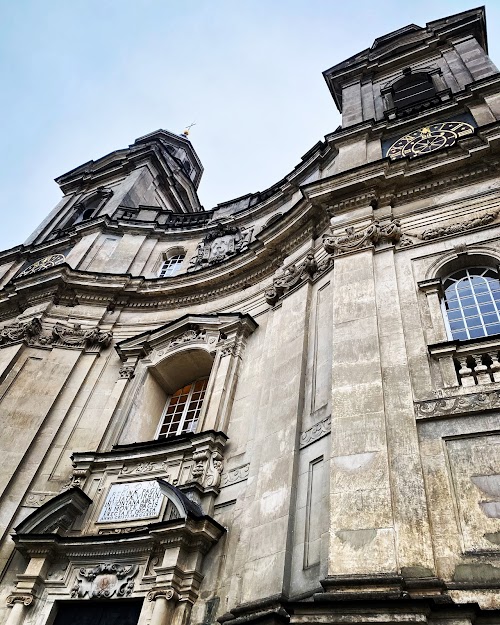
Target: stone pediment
{"x":205,"y":331}
{"x":59,"y":513}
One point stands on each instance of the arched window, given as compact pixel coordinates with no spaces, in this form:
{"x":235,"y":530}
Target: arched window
{"x":472,"y":303}
{"x":182,"y":410}
{"x":171,"y":266}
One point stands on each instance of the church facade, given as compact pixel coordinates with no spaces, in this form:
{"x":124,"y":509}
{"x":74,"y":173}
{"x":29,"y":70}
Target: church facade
{"x":284,"y":410}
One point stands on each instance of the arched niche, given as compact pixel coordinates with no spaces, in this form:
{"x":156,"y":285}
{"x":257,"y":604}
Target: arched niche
{"x":160,"y":381}
{"x":159,"y":362}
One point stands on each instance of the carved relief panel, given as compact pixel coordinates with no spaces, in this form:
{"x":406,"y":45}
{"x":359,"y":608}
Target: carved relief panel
{"x":221,"y":243}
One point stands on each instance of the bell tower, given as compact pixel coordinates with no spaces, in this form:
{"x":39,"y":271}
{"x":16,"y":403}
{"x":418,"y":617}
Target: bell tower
{"x":160,"y":171}
{"x":414,"y":80}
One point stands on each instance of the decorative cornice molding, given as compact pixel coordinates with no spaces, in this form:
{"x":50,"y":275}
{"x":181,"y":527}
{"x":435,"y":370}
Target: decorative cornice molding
{"x":316,"y":432}
{"x":460,"y":404}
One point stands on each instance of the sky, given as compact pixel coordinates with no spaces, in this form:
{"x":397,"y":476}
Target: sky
{"x":82,"y":78}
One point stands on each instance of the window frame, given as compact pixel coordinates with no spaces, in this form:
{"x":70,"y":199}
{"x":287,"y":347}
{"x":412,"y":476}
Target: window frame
{"x":187,"y":405}
{"x":168,"y":264}
{"x":470,"y":272}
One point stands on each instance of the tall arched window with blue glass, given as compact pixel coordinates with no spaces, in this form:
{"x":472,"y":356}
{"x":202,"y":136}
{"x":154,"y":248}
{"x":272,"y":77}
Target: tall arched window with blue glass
{"x":472,"y":303}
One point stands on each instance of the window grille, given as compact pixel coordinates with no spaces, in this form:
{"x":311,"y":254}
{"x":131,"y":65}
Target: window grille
{"x":472,"y":303}
{"x":182,"y":410}
{"x":171,"y":266}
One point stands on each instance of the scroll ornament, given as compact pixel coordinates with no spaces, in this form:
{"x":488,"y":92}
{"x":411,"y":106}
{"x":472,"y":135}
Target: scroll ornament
{"x":207,"y":468}
{"x":354,"y":240}
{"x":26,"y":600}
{"x":286,"y":279}
{"x":31,"y":333}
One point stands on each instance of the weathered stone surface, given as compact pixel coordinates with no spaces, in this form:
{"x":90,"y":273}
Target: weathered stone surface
{"x":336,"y":467}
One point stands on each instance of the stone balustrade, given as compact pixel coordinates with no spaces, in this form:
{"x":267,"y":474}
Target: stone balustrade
{"x":468,"y":363}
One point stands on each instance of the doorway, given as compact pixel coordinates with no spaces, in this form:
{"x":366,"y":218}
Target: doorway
{"x":99,"y":613}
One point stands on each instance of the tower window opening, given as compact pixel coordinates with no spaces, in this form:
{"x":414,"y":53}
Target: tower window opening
{"x":171,"y":266}
{"x":182,"y":410}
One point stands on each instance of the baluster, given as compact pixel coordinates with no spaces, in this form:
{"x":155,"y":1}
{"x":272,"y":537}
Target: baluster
{"x":465,"y":374}
{"x":481,"y":369}
{"x":495,"y":365}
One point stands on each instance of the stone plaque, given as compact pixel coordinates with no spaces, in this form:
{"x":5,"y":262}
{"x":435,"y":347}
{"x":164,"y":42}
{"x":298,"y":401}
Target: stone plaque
{"x":131,"y":501}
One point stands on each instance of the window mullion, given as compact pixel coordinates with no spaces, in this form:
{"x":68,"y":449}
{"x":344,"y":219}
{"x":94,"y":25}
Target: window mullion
{"x":186,"y":409}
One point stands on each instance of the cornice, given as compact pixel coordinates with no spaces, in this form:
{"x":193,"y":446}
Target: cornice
{"x":247,"y":268}
{"x":400,"y":181}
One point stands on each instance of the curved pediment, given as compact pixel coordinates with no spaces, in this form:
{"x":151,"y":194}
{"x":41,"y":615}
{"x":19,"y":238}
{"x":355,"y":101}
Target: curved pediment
{"x":182,"y":504}
{"x":58,"y":513}
{"x":199,"y":331}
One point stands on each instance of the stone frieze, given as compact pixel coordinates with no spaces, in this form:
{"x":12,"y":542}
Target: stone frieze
{"x":316,"y":432}
{"x":457,"y":405}
{"x":238,"y":474}
{"x":457,"y":227}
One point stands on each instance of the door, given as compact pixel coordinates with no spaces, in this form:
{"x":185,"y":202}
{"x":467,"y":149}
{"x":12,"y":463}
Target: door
{"x":98,"y":613}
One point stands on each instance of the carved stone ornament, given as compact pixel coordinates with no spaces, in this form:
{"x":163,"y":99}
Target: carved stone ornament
{"x":43,"y":263}
{"x":162,"y":593}
{"x":238,"y":474}
{"x":458,"y":227}
{"x":195,"y":333}
{"x":207,"y":468}
{"x":105,"y":581}
{"x":354,"y":240}
{"x":457,"y":405}
{"x":24,"y":599}
{"x":127,"y":371}
{"x":26,"y":331}
{"x":32,"y":334}
{"x":316,"y":432}
{"x":286,"y":279}
{"x":221,"y":243}
{"x":79,"y":337}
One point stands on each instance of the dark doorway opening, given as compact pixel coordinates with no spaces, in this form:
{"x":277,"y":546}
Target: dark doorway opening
{"x":99,"y":613}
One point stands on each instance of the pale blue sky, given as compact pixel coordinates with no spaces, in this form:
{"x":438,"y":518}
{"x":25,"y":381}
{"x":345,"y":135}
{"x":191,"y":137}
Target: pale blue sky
{"x":81,"y":78}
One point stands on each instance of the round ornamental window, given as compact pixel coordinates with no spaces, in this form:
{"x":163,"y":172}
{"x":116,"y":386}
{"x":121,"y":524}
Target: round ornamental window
{"x":43,"y":263}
